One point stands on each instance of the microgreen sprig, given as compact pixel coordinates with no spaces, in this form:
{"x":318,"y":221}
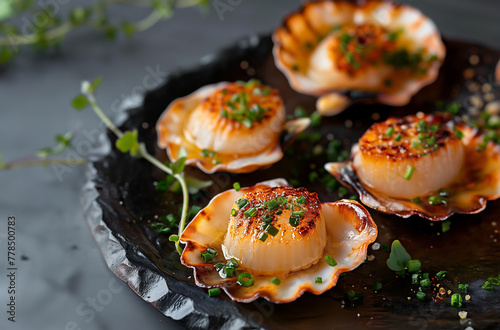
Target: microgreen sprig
{"x":128,"y":142}
{"x":56,"y":27}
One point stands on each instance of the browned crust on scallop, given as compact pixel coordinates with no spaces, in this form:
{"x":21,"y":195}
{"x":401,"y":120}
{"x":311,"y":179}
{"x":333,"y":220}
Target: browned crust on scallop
{"x":253,"y":226}
{"x":216,"y":102}
{"x":291,"y":57}
{"x":376,"y":143}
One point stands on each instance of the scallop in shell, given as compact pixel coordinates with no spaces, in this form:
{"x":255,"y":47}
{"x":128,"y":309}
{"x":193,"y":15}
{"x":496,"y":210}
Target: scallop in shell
{"x":429,"y":165}
{"x":345,"y":50}
{"x":282,"y":238}
{"x":232,"y":127}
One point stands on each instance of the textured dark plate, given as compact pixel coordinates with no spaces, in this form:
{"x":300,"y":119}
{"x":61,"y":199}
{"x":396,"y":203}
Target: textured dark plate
{"x":120,"y":198}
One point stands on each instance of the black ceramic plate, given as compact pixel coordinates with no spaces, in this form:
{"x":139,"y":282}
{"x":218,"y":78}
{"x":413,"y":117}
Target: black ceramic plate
{"x":120,"y":198}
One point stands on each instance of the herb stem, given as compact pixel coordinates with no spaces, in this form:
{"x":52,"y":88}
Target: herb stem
{"x":42,"y":162}
{"x":146,"y":155}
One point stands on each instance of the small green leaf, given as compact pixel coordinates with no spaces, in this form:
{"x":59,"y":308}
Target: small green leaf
{"x":128,"y":143}
{"x":95,"y":84}
{"x":80,"y":102}
{"x":182,"y":153}
{"x":44,"y":153}
{"x":398,"y":257}
{"x":178,"y":166}
{"x":195,"y":185}
{"x":173,"y":238}
{"x":128,"y":29}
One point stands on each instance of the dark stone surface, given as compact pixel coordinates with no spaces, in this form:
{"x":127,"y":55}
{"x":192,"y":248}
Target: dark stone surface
{"x":64,"y":271}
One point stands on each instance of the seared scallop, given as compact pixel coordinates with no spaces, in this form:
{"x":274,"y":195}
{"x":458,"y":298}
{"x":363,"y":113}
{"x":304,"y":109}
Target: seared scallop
{"x":276,"y":231}
{"x":409,"y":157}
{"x":386,"y":50}
{"x":429,"y":165}
{"x":233,"y":127}
{"x":274,"y":241}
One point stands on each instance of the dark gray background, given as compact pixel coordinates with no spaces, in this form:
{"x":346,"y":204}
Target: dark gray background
{"x":64,"y":270}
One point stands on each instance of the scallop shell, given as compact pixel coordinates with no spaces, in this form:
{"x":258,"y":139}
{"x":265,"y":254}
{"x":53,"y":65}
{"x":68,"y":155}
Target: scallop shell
{"x":479,"y":182}
{"x":315,"y":20}
{"x":172,"y":137}
{"x":350,"y":230}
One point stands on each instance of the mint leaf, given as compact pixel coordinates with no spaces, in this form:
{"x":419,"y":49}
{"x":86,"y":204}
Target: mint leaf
{"x":80,"y":102}
{"x":398,"y":257}
{"x":128,"y":143}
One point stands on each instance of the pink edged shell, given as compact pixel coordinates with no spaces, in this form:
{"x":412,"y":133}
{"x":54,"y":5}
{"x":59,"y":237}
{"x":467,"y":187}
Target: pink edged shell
{"x":479,"y":182}
{"x":171,"y":135}
{"x":314,"y":21}
{"x":350,"y":230}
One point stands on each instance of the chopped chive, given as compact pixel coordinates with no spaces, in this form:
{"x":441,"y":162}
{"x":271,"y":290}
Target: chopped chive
{"x":266,"y":92}
{"x":207,"y":257}
{"x":294,"y":221}
{"x":434,"y":128}
{"x":416,"y":200}
{"x":459,"y":134}
{"x":301,"y":199}
{"x":263,"y":236}
{"x":213,"y":292}
{"x":234,"y":212}
{"x":279,"y":212}
{"x":421,"y":295}
{"x":413,"y":265}
{"x":245,"y":279}
{"x":275,"y":281}
{"x":397,"y":138}
{"x":271,"y":230}
{"x":250,"y":212}
{"x":219,"y":266}
{"x":281,"y":200}
{"x":212,"y":251}
{"x":445,"y":226}
{"x":456,"y":300}
{"x":425,"y":283}
{"x":415,"y":278}
{"x":248,"y":123}
{"x":272,"y":204}
{"x":463,"y":288}
{"x":216,"y":161}
{"x":295,"y":67}
{"x":415,"y":144}
{"x":299,"y":213}
{"x":242,"y":203}
{"x":409,"y":172}
{"x":487,"y":286}
{"x":437,"y":200}
{"x":237,"y":186}
{"x":232,"y":263}
{"x":204,"y":153}
{"x":389,"y":132}
{"x":300,"y":112}
{"x":267,"y":219}
{"x":224,"y":113}
{"x":318,"y":280}
{"x":353,"y":295}
{"x":444,"y":192}
{"x":330,"y":261}
{"x":441,"y":274}
{"x":377,"y":286}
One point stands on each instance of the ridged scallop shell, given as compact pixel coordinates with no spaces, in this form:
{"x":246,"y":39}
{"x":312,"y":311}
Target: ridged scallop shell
{"x":478,"y":182}
{"x":350,"y":230}
{"x":314,"y":21}
{"x":170,"y":128}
